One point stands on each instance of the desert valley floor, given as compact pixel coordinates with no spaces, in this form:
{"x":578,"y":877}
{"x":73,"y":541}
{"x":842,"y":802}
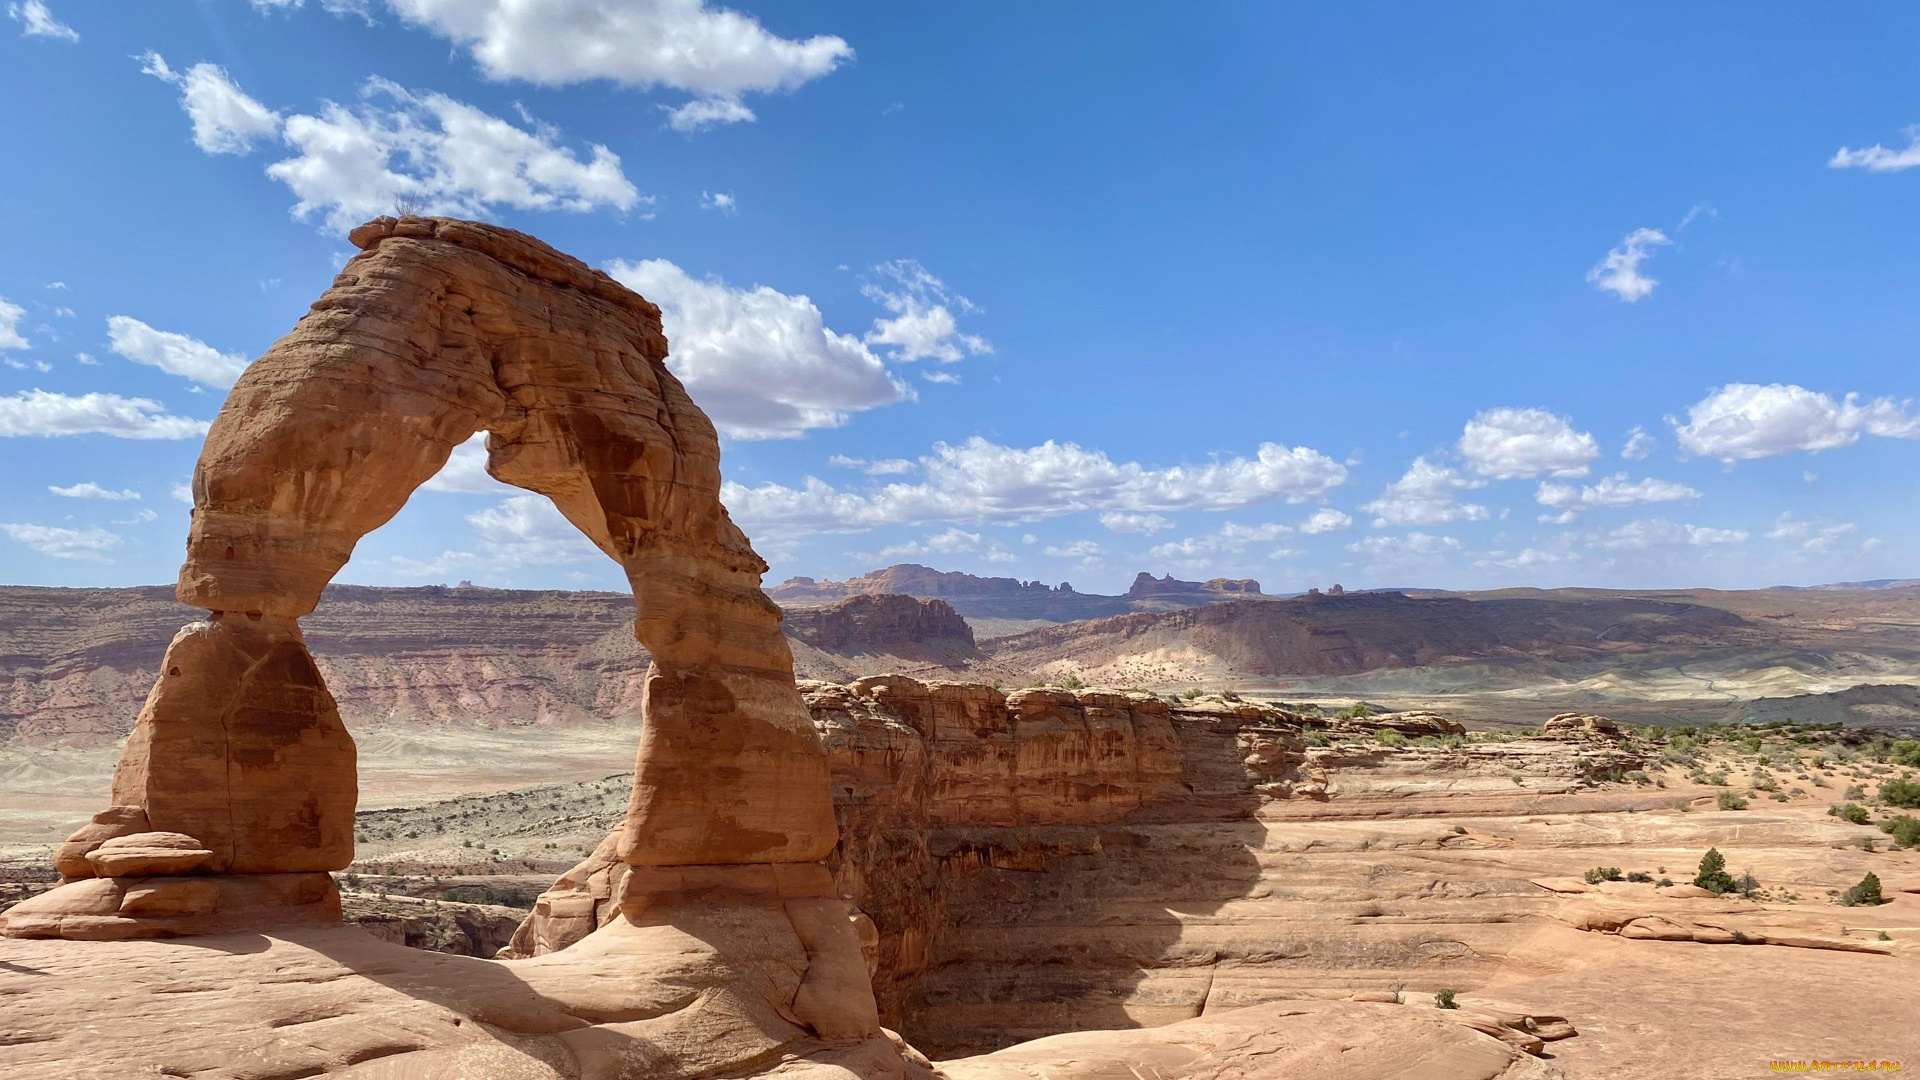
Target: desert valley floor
{"x":1195,"y":872}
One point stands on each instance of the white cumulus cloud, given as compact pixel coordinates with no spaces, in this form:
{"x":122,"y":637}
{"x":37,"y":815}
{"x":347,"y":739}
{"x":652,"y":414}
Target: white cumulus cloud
{"x":716,"y":54}
{"x":466,"y":471}
{"x":1658,"y":532}
{"x":1741,"y":421}
{"x":1619,"y":273}
{"x":1415,"y":547}
{"x":1326,"y":520}
{"x":1615,"y":490}
{"x":1230,"y":538}
{"x":981,"y":481}
{"x":175,"y":354}
{"x":10,"y":316}
{"x":1811,"y":536}
{"x":954,"y":541}
{"x":717,"y":200}
{"x":762,"y":363}
{"x":1126,"y":521}
{"x":520,"y":531}
{"x":1511,"y":444}
{"x":90,"y":543}
{"x":877,"y":467}
{"x":703,"y":113}
{"x":87,"y":489}
{"x":1877,"y":158}
{"x":1425,"y":495}
{"x":39,"y":412}
{"x":37,"y":20}
{"x":225,"y":119}
{"x":1639,"y":445}
{"x":923,"y":324}
{"x":443,"y":156}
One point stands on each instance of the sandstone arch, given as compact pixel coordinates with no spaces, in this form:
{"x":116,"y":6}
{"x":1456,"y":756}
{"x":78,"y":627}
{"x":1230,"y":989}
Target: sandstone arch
{"x":437,"y":330}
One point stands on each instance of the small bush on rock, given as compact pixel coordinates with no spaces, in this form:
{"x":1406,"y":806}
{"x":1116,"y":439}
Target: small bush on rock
{"x":1444,"y":1000}
{"x":1713,"y":875}
{"x":1904,"y":829}
{"x":1849,"y":812}
{"x":1729,"y":801}
{"x":1903,"y":793}
{"x":1865,"y":894}
{"x":1602,"y":873}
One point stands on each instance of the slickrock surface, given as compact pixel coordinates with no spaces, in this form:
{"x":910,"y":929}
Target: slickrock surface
{"x":1298,"y":1041}
{"x":1050,"y":861}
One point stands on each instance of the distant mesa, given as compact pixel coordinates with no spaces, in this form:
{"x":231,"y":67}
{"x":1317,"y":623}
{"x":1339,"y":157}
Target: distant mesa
{"x":1010,"y":598}
{"x":1148,"y":587}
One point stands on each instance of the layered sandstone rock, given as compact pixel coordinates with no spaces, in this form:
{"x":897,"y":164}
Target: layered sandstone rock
{"x":235,"y":793}
{"x":1050,"y":861}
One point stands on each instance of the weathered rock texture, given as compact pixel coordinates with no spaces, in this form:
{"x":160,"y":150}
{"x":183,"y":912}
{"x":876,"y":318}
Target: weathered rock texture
{"x":240,"y":771}
{"x":1051,"y":861}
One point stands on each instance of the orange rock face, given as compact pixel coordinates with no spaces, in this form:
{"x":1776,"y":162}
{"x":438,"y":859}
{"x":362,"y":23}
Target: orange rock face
{"x":236,"y":791}
{"x":438,"y":330}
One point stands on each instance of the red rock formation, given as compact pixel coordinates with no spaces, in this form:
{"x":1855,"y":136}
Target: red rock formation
{"x":889,"y":623}
{"x":239,"y":770}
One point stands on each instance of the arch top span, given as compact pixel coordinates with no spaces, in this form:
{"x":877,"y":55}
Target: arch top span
{"x":437,"y":330}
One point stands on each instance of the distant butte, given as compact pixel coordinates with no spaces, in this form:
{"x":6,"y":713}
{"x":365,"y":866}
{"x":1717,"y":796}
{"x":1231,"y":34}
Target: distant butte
{"x":1010,"y":598}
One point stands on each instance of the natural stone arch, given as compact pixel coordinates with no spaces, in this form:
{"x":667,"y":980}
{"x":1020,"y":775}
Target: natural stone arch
{"x":437,"y":330}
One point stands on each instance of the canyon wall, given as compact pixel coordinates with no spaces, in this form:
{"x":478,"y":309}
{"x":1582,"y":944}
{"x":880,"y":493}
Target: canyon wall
{"x":1049,"y":860}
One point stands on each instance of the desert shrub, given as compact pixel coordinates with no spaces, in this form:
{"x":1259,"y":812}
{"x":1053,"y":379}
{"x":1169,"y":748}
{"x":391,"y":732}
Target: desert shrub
{"x":1883,"y":936}
{"x":1602,"y":873}
{"x":1904,"y":829}
{"x":1389,"y":737}
{"x":1864,"y":843}
{"x":1903,"y":793}
{"x":1849,"y":812}
{"x":1356,"y":711}
{"x":1444,"y":1000}
{"x":1640,"y":876}
{"x":1905,"y":752}
{"x":1459,"y":830}
{"x":1765,"y":782}
{"x":502,"y":895}
{"x":1740,"y":938}
{"x":1854,"y":791}
{"x":1639,"y":776}
{"x":1663,"y":883}
{"x":1729,"y":801}
{"x":1747,"y":884}
{"x":1073,"y":682}
{"x":1779,"y":796}
{"x":1713,"y":875}
{"x":1865,"y":894}
{"x":1318,"y":738}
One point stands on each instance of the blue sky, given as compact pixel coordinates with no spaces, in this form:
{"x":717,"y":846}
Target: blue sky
{"x":1445,"y":295}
